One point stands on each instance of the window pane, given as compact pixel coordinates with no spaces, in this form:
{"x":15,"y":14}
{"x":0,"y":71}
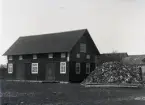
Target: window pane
{"x":34,"y":68}
{"x":50,"y":55}
{"x":82,"y":47}
{"x":62,"y":55}
{"x":62,"y":67}
{"x":34,"y":64}
{"x":10,"y":57}
{"x":20,"y":57}
{"x":34,"y":56}
{"x":10,"y":68}
{"x":78,"y":55}
{"x":88,"y":57}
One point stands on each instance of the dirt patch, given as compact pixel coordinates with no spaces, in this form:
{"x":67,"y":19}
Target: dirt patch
{"x":63,"y":94}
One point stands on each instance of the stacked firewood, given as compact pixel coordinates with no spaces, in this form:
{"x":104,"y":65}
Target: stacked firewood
{"x":115,"y":72}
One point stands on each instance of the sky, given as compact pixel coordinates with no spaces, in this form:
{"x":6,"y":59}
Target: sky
{"x":115,"y":25}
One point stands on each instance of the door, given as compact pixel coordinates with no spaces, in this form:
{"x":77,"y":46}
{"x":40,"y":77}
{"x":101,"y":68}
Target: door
{"x":20,"y":71}
{"x":50,"y":72}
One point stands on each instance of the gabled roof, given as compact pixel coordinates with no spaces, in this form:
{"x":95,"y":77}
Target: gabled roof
{"x":134,"y":60}
{"x":46,"y":43}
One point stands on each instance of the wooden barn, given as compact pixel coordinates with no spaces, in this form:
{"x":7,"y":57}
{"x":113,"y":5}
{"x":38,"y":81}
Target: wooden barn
{"x":64,"y":56}
{"x":110,"y":57}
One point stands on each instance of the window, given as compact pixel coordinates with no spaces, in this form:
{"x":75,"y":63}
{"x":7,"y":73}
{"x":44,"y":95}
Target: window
{"x":50,"y":55}
{"x":83,"y":47}
{"x":34,"y":56}
{"x":10,"y":68}
{"x":34,"y":68}
{"x":77,"y":68}
{"x":63,"y":55}
{"x":10,"y":57}
{"x":62,"y":67}
{"x":20,"y":57}
{"x":88,"y":68}
{"x":78,"y":55}
{"x":88,"y":57}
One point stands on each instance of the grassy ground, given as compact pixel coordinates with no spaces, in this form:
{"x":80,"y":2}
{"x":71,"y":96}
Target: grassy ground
{"x":20,"y":93}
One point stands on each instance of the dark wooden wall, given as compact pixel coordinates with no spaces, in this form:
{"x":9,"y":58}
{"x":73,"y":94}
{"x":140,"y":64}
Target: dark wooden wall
{"x":42,"y":61}
{"x":73,"y":77}
{"x":91,"y":50}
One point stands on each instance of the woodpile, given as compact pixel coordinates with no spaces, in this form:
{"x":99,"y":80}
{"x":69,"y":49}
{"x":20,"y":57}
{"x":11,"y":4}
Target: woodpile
{"x":115,"y":72}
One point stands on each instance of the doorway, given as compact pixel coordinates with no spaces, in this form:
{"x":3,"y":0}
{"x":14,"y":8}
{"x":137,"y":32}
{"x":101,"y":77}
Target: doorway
{"x":50,"y":72}
{"x":20,"y":71}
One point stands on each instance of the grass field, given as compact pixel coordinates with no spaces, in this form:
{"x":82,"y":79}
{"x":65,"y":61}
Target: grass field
{"x":24,"y":93}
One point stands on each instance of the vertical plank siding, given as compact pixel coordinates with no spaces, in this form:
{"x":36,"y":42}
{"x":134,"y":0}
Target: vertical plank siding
{"x":90,"y":50}
{"x":73,"y":77}
{"x":22,"y":68}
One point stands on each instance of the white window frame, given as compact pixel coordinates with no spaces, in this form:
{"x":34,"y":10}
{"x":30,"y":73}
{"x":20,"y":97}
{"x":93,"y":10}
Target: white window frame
{"x":34,"y":65}
{"x":62,"y":67}
{"x":83,"y":47}
{"x":20,"y":57}
{"x":88,"y":56}
{"x":78,"y":55}
{"x":34,"y":56}
{"x":78,"y":65}
{"x":10,"y":57}
{"x":63,"y":55}
{"x":87,"y":66}
{"x":50,"y":55}
{"x":10,"y":68}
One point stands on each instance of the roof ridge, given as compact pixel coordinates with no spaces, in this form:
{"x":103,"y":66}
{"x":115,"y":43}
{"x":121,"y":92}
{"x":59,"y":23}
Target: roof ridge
{"x":55,"y":33}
